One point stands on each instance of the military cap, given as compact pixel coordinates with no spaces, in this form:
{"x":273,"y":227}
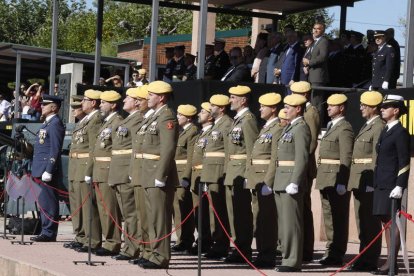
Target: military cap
{"x":220,"y":100}
{"x":76,"y":101}
{"x":270,"y":99}
{"x":93,"y":94}
{"x":239,"y":90}
{"x":143,"y":92}
{"x":346,"y":33}
{"x":209,"y":45}
{"x":371,"y":98}
{"x":75,"y":105}
{"x":300,"y":87}
{"x":169,"y":49}
{"x":282,"y":114}
{"x":379,"y":33}
{"x":159,"y":87}
{"x":110,"y":96}
{"x":187,"y":55}
{"x":179,"y":47}
{"x":47,"y":99}
{"x":356,"y":34}
{"x":395,"y":101}
{"x":206,"y":106}
{"x":337,"y":99}
{"x":294,"y":100}
{"x":133,"y":92}
{"x":187,"y":110}
{"x":77,"y":98}
{"x":142,"y":71}
{"x":219,"y":41}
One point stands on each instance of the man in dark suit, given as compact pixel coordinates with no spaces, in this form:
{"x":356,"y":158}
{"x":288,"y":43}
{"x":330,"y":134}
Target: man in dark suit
{"x":382,"y":63}
{"x":222,"y":61}
{"x":47,"y":167}
{"x":389,"y":36}
{"x":210,"y":69}
{"x":238,"y":72}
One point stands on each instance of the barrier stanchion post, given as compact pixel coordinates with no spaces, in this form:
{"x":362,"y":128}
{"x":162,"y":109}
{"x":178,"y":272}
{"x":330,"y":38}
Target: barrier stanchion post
{"x":5,"y":202}
{"x":202,"y":188}
{"x":89,"y":261}
{"x":21,"y":242}
{"x":393,"y":241}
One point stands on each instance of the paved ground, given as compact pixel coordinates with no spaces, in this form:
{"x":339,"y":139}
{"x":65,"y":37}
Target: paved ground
{"x":52,"y":259}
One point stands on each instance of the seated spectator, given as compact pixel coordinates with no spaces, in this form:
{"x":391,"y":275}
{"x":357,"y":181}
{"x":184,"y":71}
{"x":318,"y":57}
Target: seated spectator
{"x":115,"y":80}
{"x":101,"y":82}
{"x":139,"y":77}
{"x":4,"y":109}
{"x":238,"y":72}
{"x":34,"y":92}
{"x":248,"y":56}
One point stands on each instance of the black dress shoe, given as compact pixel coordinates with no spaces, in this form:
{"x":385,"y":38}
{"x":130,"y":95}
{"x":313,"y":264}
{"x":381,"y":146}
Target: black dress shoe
{"x":384,"y":272}
{"x":151,"y":265}
{"x":261,"y":263}
{"x":180,"y":247}
{"x":330,"y":261}
{"x":137,"y":261}
{"x":284,"y":268}
{"x":194,"y":249}
{"x":215,"y":255}
{"x":42,"y":238}
{"x":104,"y":252}
{"x":236,"y":258}
{"x":72,"y":245}
{"x":121,"y":257}
{"x":361,"y":267}
{"x":85,"y":249}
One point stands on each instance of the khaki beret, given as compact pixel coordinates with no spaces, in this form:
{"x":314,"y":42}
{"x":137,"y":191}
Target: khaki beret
{"x":75,"y":104}
{"x":187,"y":110}
{"x":270,"y":99}
{"x":371,"y":98}
{"x":300,"y":87}
{"x":142,"y":71}
{"x":133,"y":92}
{"x":294,"y":100}
{"x":337,"y":99}
{"x":159,"y":87}
{"x":239,"y":90}
{"x":110,"y":96}
{"x":77,"y":98}
{"x":143,"y":92}
{"x":282,"y":114}
{"x":206,"y":106}
{"x":93,"y":94}
{"x":220,"y":100}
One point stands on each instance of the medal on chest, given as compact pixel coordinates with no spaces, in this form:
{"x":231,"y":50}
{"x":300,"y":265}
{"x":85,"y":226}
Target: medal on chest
{"x":216,"y":135}
{"x":42,"y":136}
{"x":265,"y":138}
{"x":105,"y":136}
{"x":236,"y":135}
{"x":287,"y":137}
{"x":152,"y":129}
{"x":121,"y":131}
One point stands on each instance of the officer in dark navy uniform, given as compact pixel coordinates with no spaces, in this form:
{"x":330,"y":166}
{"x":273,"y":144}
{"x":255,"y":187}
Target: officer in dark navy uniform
{"x":382,"y":63}
{"x":222,"y":58}
{"x":169,"y":67}
{"x":47,"y":168}
{"x":179,"y":69}
{"x":210,"y":69}
{"x":190,"y":72}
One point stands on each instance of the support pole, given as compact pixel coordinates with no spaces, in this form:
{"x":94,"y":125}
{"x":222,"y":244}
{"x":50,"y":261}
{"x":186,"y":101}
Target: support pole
{"x":393,"y":241}
{"x":154,"y":38}
{"x":98,"y":42}
{"x":17,"y":87}
{"x":409,"y":46}
{"x":202,"y":30}
{"x":52,"y":76}
{"x":342,"y":22}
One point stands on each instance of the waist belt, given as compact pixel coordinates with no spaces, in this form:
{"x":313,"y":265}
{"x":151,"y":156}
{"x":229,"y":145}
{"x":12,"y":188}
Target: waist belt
{"x":362,"y":160}
{"x":198,"y":167}
{"x":285,"y":163}
{"x":103,"y":159}
{"x":79,"y":155}
{"x":214,"y":154}
{"x":147,"y":156}
{"x":121,"y":152}
{"x":260,"y":162}
{"x":181,"y":162}
{"x":329,"y":161}
{"x":238,"y":156}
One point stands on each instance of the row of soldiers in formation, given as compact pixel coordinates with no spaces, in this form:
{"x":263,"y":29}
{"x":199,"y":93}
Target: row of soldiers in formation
{"x":147,"y":168}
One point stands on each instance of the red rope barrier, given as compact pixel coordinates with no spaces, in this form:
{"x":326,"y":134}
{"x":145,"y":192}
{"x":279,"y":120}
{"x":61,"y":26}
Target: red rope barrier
{"x":229,"y":237}
{"x":129,"y":236}
{"x":407,"y":216}
{"x":54,"y":188}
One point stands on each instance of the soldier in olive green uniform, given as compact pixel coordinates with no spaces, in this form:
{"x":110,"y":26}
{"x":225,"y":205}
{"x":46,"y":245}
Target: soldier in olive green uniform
{"x":206,"y":122}
{"x":183,"y":202}
{"x":242,"y":135}
{"x":312,"y":119}
{"x":335,"y":154}
{"x":75,"y":198}
{"x":260,"y":179}
{"x":214,"y":170}
{"x":118,"y":176}
{"x":291,"y":170}
{"x":98,"y":169}
{"x":85,"y":137}
{"x":159,"y":173}
{"x":361,"y":181}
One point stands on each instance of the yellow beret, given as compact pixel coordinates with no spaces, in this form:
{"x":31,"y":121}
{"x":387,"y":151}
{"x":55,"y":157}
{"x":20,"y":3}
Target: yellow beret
{"x":143,"y":92}
{"x":187,"y":110}
{"x":371,"y":98}
{"x":239,"y":90}
{"x":142,"y":71}
{"x":220,"y":100}
{"x":337,"y":99}
{"x":93,"y":94}
{"x":294,"y":100}
{"x":133,"y":92}
{"x":300,"y":87}
{"x":159,"y":87}
{"x":282,"y":114}
{"x":206,"y":106}
{"x":110,"y":96}
{"x":270,"y":99}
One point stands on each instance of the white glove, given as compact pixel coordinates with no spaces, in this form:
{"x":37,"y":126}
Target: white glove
{"x":184,"y":183}
{"x":396,"y":192}
{"x":130,"y":178}
{"x":46,"y":177}
{"x":340,"y":189}
{"x":369,"y":189}
{"x":245,"y":183}
{"x":385,"y":85}
{"x":159,"y":184}
{"x":292,"y":189}
{"x":370,"y":88}
{"x":266,"y":190}
{"x":88,"y":179}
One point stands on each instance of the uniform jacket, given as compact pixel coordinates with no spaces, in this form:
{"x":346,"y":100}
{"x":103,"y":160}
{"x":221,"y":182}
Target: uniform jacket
{"x":242,"y":135}
{"x":190,"y":73}
{"x":292,"y":145}
{"x":122,"y":140}
{"x":198,"y":155}
{"x":103,"y":148}
{"x":318,"y":63}
{"x":362,"y":175}
{"x":179,"y":69}
{"x":210,"y":70}
{"x":48,"y":147}
{"x":83,"y":141}
{"x":290,"y":63}
{"x":383,"y":65}
{"x":169,"y":68}
{"x":217,"y":141}
{"x":239,"y":73}
{"x":336,"y":144}
{"x":264,"y":146}
{"x":393,"y":160}
{"x":312,"y":119}
{"x":222,"y":62}
{"x":74,"y":148}
{"x":184,"y":152}
{"x":160,"y":139}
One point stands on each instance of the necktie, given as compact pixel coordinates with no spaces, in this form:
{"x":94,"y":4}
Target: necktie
{"x":329,"y":126}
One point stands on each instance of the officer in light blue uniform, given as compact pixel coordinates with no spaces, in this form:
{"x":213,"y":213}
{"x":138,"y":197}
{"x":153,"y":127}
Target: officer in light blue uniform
{"x":47,"y":167}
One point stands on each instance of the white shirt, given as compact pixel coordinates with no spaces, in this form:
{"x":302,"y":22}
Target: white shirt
{"x":148,"y":113}
{"x":336,"y":120}
{"x":110,"y":116}
{"x":207,"y":127}
{"x":294,"y":120}
{"x":186,"y":126}
{"x":48,"y":118}
{"x":372,"y":119}
{"x":270,"y":121}
{"x":393,"y":123}
{"x":241,"y":112}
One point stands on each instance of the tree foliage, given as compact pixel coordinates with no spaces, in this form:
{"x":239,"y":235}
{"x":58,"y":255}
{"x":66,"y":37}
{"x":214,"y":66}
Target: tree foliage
{"x":304,"y":21}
